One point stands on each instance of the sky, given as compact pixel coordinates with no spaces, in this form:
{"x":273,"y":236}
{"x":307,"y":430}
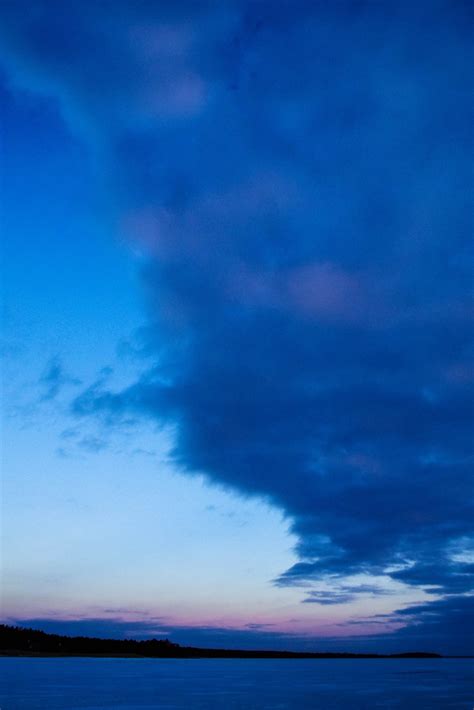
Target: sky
{"x":237,"y":316}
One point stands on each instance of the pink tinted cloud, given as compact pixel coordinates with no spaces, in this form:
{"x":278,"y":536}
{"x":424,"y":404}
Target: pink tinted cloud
{"x":319,"y":291}
{"x":326,"y":291}
{"x":169,"y":85}
{"x":183,"y":96}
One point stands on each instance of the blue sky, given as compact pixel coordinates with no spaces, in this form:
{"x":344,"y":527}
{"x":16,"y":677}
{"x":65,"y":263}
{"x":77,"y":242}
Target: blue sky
{"x":238,"y":322}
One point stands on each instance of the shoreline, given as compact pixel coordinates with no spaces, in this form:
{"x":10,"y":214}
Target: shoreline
{"x":232,"y":655}
{"x":18,"y":642}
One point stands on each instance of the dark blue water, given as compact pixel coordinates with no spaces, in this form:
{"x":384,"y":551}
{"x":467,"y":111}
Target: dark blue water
{"x":72,"y":683}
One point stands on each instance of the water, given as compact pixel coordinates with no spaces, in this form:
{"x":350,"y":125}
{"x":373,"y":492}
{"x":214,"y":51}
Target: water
{"x":228,"y":684}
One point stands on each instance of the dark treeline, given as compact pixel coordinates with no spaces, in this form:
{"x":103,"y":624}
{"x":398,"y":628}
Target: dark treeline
{"x":16,"y":641}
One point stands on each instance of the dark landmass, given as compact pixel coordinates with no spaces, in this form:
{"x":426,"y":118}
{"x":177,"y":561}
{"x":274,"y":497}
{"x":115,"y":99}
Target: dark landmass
{"x":16,"y":641}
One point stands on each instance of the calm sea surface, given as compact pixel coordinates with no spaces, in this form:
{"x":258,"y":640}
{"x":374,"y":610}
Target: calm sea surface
{"x":227,"y":683}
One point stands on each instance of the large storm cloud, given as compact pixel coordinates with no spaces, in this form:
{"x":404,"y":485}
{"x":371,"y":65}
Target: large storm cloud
{"x":296,"y":178}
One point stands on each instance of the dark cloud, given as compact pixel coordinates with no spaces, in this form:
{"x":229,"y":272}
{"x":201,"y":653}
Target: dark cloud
{"x":299,"y":183}
{"x":457,"y":577}
{"x":341,"y":594}
{"x":445,"y":625}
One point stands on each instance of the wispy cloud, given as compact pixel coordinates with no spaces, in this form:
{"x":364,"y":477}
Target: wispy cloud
{"x":54,"y":379}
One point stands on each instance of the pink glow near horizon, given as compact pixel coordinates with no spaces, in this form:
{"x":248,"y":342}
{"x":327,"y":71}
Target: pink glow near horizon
{"x":162,"y":626}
